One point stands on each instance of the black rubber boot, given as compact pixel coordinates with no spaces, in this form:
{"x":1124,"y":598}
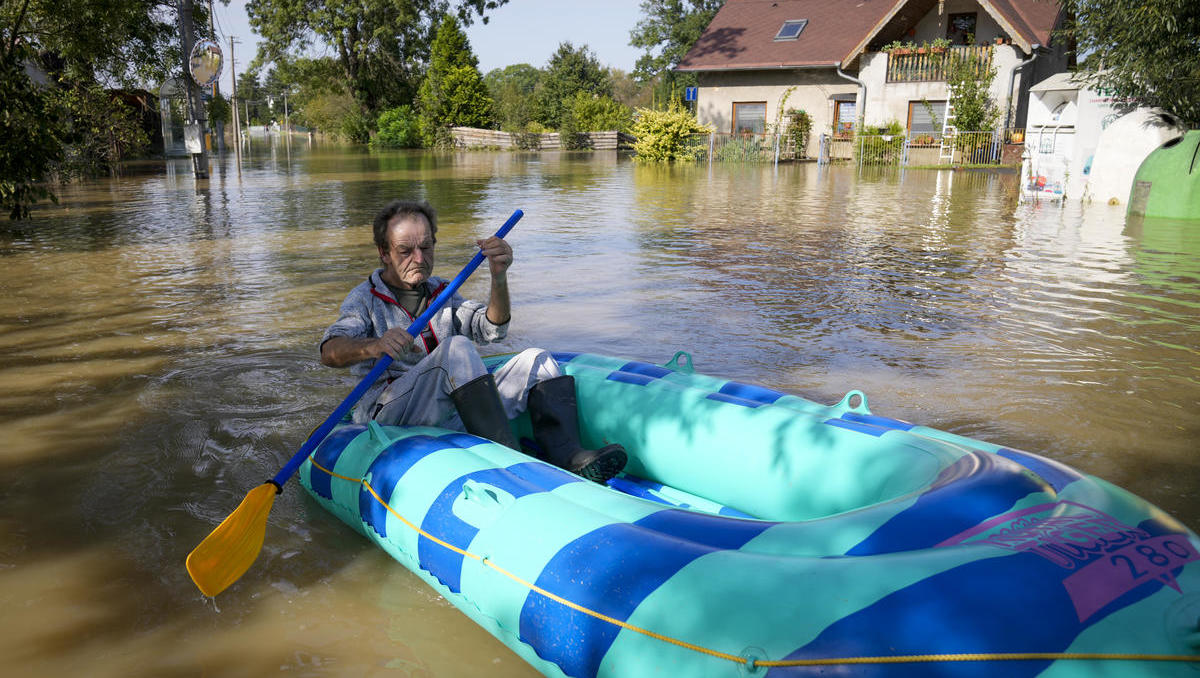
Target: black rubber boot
{"x":556,"y":430}
{"x":482,"y":413}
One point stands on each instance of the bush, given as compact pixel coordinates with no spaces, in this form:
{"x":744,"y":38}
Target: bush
{"x":666,"y":136}
{"x":799,"y":129}
{"x":356,"y":127}
{"x":398,"y":128}
{"x":599,"y":113}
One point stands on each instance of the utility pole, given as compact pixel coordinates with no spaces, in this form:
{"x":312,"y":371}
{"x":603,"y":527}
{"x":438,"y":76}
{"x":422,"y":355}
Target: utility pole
{"x":218,"y":127}
{"x":195,"y":102}
{"x":237,"y":127}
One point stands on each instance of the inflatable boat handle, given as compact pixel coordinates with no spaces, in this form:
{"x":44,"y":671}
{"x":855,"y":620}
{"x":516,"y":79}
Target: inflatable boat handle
{"x":230,"y":549}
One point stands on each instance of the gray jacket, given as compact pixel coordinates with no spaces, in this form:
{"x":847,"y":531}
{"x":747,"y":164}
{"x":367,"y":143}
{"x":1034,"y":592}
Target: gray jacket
{"x":370,"y":310}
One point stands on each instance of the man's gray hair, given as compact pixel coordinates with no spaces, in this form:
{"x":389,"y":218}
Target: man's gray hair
{"x":406,"y":208}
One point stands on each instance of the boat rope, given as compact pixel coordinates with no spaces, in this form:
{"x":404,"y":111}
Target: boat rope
{"x":751,"y":663}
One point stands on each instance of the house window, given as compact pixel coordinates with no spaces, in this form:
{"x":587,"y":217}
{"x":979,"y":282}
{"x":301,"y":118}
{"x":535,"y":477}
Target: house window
{"x":845,"y":114}
{"x":960,"y":30}
{"x":925,"y":120}
{"x":750,"y":117}
{"x":790,"y":30}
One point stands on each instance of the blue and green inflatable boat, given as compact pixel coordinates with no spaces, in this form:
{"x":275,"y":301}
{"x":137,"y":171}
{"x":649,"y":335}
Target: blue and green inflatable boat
{"x":756,"y":533}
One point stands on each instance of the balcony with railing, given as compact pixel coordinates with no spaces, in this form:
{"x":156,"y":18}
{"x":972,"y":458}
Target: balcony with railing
{"x":932,"y":64}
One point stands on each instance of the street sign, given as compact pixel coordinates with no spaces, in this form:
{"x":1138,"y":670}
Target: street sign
{"x":689,"y":93}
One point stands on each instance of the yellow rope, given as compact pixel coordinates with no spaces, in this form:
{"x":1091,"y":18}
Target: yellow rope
{"x":901,"y":659}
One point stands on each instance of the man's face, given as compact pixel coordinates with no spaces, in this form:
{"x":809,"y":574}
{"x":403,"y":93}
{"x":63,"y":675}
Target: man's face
{"x":408,"y":261}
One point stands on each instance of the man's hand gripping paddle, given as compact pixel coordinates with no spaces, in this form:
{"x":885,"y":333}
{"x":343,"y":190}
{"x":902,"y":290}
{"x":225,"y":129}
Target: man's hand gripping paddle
{"x":226,"y":553}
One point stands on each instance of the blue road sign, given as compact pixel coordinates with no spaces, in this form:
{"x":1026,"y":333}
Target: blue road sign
{"x":689,"y":93}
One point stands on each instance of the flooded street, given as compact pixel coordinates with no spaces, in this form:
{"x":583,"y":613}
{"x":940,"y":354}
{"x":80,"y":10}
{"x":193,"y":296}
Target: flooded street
{"x":158,"y":359}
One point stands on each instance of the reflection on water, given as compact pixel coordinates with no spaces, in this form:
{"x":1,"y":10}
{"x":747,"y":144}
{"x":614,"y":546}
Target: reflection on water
{"x":157,"y":350}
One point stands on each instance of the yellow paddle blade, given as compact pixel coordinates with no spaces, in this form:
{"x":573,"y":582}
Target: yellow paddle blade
{"x":228,"y":551}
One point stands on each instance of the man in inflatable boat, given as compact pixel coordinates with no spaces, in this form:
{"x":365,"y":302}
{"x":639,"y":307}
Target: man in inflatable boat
{"x":438,"y":379}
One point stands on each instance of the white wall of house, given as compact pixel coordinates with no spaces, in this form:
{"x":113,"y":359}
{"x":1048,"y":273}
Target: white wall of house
{"x":815,"y":92}
{"x":887,"y":101}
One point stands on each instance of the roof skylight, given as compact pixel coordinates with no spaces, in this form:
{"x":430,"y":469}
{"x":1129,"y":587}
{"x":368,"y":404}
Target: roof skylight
{"x":790,"y":30}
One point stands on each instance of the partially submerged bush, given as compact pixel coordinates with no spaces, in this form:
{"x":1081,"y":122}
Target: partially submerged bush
{"x":670,"y":135}
{"x":398,"y":128}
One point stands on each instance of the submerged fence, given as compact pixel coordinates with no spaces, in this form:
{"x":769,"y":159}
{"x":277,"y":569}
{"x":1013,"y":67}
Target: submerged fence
{"x":959,"y":148}
{"x":719,"y":147}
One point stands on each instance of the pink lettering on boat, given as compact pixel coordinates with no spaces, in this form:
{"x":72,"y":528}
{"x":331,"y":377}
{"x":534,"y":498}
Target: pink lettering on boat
{"x":1109,"y":557}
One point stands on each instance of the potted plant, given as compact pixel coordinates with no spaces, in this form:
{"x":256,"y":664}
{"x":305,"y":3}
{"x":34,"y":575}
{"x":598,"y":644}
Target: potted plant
{"x":940,"y":45}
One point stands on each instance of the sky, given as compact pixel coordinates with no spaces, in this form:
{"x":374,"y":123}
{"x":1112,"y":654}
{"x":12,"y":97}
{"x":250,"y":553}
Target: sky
{"x":522,"y":31}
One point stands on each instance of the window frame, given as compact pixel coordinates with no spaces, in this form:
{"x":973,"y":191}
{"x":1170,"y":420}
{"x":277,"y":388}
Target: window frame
{"x":802,"y":23}
{"x":733,"y":125}
{"x":919,"y":102}
{"x":837,"y":118}
{"x":952,"y":33}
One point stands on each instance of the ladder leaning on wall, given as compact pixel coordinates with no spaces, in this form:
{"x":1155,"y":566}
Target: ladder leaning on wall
{"x":949,"y":131}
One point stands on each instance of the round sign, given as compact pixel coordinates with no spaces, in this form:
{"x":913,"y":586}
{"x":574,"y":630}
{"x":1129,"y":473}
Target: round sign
{"x":205,"y":62}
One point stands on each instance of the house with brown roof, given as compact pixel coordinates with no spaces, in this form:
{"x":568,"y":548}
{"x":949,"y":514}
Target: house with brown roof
{"x":758,"y":58}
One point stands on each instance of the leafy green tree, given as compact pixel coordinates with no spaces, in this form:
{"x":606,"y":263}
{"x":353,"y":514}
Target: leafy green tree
{"x":970,"y":83}
{"x":453,"y":93}
{"x":67,"y":123}
{"x":590,"y":113}
{"x":668,"y":135}
{"x":29,"y":149}
{"x":628,"y":90}
{"x":512,"y":88}
{"x":251,"y":100}
{"x":317,"y":95}
{"x":98,"y":130}
{"x":570,"y":70}
{"x":1144,"y":50}
{"x":666,"y":32}
{"x":219,"y":110}
{"x":381,"y":45}
{"x":124,"y":42}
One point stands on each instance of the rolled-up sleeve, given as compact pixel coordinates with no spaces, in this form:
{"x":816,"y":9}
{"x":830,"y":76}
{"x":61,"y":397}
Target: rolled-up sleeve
{"x":354,"y":319}
{"x":470,"y":319}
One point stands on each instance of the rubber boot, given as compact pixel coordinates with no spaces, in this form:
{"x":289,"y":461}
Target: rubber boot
{"x":482,"y":413}
{"x":552,"y":411}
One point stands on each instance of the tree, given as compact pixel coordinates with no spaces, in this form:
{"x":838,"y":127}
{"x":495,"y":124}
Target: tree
{"x":251,"y":100}
{"x":28,"y":146}
{"x":453,"y":93}
{"x":125,"y":42}
{"x":317,"y":95}
{"x":512,"y":88}
{"x":970,"y":83}
{"x":570,"y":70}
{"x":381,"y":45}
{"x":666,"y":32}
{"x":68,"y":123}
{"x":1147,"y":51}
{"x":628,"y":90}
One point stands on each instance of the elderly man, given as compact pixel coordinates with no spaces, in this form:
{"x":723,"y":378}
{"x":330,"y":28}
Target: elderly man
{"x":438,"y":378}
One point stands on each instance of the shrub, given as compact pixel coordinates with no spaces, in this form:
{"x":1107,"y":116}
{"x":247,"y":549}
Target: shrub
{"x":798,"y":130}
{"x":666,"y":136}
{"x":398,"y":128}
{"x":356,"y":127}
{"x":599,"y":113}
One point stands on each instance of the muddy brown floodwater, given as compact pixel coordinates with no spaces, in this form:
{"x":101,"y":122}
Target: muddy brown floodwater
{"x":158,"y":360}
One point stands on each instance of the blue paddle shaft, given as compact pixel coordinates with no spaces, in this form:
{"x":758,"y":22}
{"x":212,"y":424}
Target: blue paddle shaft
{"x":381,"y":365}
